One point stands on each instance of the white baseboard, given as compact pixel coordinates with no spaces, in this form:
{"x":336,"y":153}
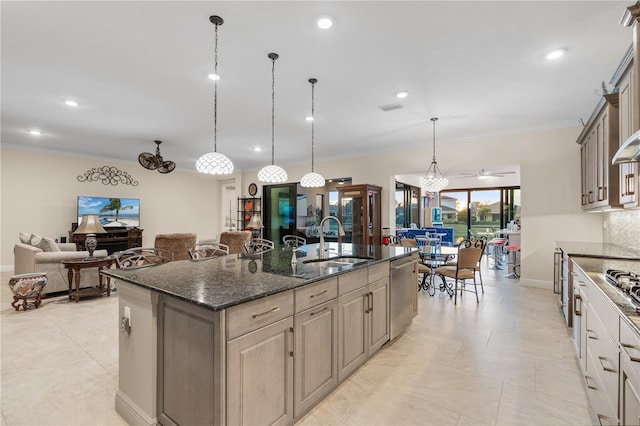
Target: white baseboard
{"x":131,"y":412}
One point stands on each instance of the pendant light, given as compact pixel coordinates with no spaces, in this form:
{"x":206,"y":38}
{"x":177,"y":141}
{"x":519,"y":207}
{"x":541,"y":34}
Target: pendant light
{"x":272,"y":173}
{"x":313,"y":179}
{"x":434,"y":180}
{"x":215,"y":163}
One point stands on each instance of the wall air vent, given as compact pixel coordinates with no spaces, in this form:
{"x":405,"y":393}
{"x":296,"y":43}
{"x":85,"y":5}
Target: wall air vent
{"x":390,"y":107}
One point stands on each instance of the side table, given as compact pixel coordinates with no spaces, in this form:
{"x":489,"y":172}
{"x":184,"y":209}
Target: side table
{"x":75,"y":266}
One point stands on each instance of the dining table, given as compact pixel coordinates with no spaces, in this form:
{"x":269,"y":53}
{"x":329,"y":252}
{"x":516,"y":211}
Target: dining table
{"x":435,"y":259}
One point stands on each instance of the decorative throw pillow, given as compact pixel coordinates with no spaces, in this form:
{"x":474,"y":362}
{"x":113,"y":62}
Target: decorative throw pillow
{"x":25,"y":238}
{"x":44,"y":243}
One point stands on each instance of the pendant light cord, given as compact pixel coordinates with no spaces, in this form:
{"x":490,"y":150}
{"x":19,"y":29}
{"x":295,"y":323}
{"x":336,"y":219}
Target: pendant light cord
{"x":313,"y":119}
{"x":434,"y":119}
{"x":273,"y":108}
{"x":215,"y":95}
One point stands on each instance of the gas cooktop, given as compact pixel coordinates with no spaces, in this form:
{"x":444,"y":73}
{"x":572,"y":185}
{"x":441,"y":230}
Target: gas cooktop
{"x":626,"y":282}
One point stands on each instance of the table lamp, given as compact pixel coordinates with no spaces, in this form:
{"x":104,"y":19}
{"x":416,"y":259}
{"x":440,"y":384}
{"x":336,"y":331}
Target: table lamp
{"x":90,"y":226}
{"x":255,"y":224}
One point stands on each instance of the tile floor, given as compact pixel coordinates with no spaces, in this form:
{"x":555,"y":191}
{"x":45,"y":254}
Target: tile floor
{"x":508,"y":360}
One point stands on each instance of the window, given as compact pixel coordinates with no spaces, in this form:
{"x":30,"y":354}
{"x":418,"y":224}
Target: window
{"x":407,"y":205}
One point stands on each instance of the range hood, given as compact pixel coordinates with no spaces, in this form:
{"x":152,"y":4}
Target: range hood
{"x":629,"y":151}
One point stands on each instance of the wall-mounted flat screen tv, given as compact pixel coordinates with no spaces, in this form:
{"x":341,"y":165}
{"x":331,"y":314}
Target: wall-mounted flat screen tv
{"x":113,"y":212}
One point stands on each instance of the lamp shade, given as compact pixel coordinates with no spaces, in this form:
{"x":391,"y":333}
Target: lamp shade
{"x":90,"y":224}
{"x":255,"y":222}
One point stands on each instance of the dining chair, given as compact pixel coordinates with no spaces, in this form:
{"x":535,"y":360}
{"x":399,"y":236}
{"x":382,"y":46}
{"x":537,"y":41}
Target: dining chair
{"x":258,"y":245}
{"x":481,"y":243}
{"x":208,"y":250}
{"x":176,"y":243}
{"x":141,"y":257}
{"x":293,"y":241}
{"x":408,"y":242}
{"x":468,"y":259}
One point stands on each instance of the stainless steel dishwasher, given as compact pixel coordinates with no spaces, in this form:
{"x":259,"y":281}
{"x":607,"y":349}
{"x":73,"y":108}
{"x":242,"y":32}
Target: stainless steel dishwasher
{"x":403,"y":286}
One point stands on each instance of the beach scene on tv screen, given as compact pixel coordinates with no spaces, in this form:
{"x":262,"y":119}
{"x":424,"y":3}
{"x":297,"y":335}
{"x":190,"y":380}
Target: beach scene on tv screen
{"x":113,"y":212}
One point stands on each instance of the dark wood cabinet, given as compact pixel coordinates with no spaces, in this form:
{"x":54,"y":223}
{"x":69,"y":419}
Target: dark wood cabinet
{"x":112,"y":241}
{"x":359,"y":210}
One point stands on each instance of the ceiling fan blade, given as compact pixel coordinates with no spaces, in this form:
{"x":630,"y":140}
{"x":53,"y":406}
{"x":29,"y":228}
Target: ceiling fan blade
{"x":167,"y":167}
{"x":148,"y":161}
{"x":502,"y":173}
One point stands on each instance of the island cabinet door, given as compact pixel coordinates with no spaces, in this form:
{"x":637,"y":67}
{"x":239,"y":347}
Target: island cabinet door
{"x":260,"y":376}
{"x":190,"y":361}
{"x":353,"y":323}
{"x":378,"y":315}
{"x":316,"y":355}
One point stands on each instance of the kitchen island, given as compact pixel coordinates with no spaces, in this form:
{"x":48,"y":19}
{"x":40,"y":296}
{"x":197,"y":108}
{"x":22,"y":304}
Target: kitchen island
{"x":250,"y":339}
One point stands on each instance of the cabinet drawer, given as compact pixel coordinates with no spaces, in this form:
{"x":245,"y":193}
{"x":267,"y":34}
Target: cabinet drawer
{"x":630,"y":345}
{"x":605,"y":354}
{"x":605,"y":411}
{"x":378,"y":271}
{"x":250,"y":316}
{"x":606,"y":311}
{"x":315,"y":294}
{"x":580,"y":279}
{"x":352,"y":281}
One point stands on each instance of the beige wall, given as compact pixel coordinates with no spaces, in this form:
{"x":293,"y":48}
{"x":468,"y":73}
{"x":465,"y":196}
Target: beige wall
{"x":40,"y":189}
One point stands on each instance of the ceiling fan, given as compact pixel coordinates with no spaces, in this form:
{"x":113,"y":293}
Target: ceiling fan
{"x":485,"y":174}
{"x":156,"y":162}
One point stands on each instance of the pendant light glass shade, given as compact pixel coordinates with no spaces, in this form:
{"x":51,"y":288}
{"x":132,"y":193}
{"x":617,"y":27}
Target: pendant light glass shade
{"x":434,"y":180}
{"x":312,"y":179}
{"x":272,"y":173}
{"x":215,"y":163}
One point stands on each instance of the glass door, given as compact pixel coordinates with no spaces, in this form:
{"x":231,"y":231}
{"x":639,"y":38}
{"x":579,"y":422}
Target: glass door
{"x":479,"y":211}
{"x":279,"y":208}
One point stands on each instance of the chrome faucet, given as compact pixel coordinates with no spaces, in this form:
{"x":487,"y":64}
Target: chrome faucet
{"x":340,"y":233}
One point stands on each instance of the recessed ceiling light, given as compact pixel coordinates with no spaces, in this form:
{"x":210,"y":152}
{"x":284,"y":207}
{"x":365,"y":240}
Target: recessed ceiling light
{"x":555,"y":54}
{"x":213,"y":76}
{"x":257,"y":149}
{"x":35,"y":132}
{"x":403,"y":94}
{"x":324,"y":22}
{"x":71,"y":103}
{"x":309,"y":118}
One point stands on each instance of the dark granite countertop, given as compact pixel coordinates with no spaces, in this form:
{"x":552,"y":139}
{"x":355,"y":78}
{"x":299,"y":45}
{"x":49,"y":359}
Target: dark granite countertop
{"x":598,"y":250}
{"x":230,"y":280}
{"x":596,"y":268}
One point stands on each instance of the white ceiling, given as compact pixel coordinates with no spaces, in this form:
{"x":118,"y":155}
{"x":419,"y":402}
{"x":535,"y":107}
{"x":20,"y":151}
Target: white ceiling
{"x":139,"y":72}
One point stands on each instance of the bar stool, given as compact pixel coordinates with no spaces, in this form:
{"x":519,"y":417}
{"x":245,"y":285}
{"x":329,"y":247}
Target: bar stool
{"x":497,"y":250}
{"x":513,"y":263}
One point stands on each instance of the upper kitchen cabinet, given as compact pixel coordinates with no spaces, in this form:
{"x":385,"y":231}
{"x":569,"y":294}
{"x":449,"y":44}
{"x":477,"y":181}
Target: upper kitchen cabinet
{"x":598,"y":142}
{"x":628,"y":172}
{"x":359,"y":210}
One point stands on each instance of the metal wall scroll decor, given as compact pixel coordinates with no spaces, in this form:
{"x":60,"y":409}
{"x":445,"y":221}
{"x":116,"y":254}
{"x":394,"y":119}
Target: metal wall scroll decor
{"x":108,"y":175}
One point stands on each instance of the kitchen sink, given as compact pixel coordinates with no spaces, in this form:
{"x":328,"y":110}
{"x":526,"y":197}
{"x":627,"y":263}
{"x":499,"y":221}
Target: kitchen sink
{"x":334,"y":262}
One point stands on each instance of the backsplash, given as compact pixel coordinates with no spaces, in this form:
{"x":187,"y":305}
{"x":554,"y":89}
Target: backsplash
{"x":623,"y":228}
